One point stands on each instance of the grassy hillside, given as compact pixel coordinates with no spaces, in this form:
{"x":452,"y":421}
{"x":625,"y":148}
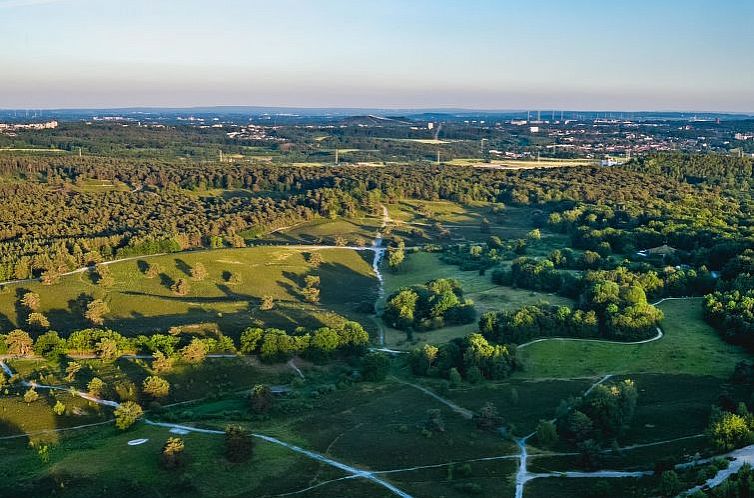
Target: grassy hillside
{"x":141,"y":305}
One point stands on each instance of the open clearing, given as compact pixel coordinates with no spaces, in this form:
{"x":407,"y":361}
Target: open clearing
{"x":689,"y":346}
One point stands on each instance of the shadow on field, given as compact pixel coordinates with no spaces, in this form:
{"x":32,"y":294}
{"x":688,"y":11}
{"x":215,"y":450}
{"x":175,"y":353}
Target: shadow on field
{"x":183,"y":266}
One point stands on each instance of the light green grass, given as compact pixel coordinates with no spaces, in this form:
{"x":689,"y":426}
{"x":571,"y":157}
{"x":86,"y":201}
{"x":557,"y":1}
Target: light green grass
{"x":142,"y":305}
{"x":689,"y":346}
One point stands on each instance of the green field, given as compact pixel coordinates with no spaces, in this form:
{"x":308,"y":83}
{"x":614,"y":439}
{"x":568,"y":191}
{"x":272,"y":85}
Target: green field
{"x":689,"y":346}
{"x":142,"y":305}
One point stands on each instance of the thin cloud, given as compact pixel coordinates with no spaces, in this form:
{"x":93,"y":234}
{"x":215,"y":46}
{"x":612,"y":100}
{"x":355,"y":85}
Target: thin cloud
{"x":25,"y":3}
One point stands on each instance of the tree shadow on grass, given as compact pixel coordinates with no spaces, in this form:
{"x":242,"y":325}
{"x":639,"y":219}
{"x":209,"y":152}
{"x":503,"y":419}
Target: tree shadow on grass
{"x":183,"y":266}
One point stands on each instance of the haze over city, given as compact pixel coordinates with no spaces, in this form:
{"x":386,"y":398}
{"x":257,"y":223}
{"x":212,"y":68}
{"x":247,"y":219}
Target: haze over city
{"x":584,"y":54}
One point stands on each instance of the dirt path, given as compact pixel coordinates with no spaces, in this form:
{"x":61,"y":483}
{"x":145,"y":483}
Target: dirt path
{"x":465,"y":413}
{"x":353,"y":471}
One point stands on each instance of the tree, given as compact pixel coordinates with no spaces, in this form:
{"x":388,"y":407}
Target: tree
{"x":173,"y":455}
{"x":107,"y":348}
{"x":50,"y":346}
{"x":153,"y":270}
{"x":238,"y":444}
{"x":199,"y":272}
{"x":31,"y":301}
{"x":71,"y":370}
{"x":38,"y":320}
{"x":126,"y":414}
{"x":484,"y":225}
{"x":194,"y":352}
{"x":156,"y":387}
{"x":729,"y":431}
{"x":19,"y":343}
{"x":268,"y":302}
{"x":396,"y":256}
{"x":59,"y":408}
{"x":401,"y":308}
{"x":547,"y":434}
{"x":260,"y":398}
{"x":375,"y":366}
{"x":96,"y":311}
{"x":250,"y":339}
{"x":104,"y":276}
{"x":315,"y":259}
{"x":311,"y":294}
{"x":488,"y":417}
{"x":161,"y":362}
{"x":670,"y":483}
{"x":31,"y":395}
{"x":454,"y":377}
{"x":181,"y":287}
{"x":95,"y":387}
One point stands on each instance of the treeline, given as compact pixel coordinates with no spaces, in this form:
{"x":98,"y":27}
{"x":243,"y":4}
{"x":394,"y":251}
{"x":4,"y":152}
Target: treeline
{"x":271,"y":345}
{"x":610,"y":304}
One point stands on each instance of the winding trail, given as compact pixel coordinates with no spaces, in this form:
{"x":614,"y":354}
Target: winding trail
{"x":657,"y":337}
{"x":353,"y":471}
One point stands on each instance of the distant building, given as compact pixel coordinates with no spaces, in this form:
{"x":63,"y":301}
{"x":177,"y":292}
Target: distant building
{"x":534,"y":129}
{"x":430,"y":125}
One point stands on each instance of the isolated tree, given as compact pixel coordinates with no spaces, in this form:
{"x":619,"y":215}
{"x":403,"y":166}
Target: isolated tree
{"x":268,"y":302}
{"x":71,"y":370}
{"x":250,"y":339}
{"x":239,"y":444}
{"x":484,"y":225}
{"x":488,"y":417}
{"x":199,"y":272}
{"x":315,"y":259}
{"x":38,"y":320}
{"x":181,"y":287}
{"x":96,"y":311}
{"x":104,"y":276}
{"x":153,"y":270}
{"x":31,"y":395}
{"x":375,"y":366}
{"x":434,"y":422}
{"x":260,"y":398}
{"x":173,"y":454}
{"x":19,"y":343}
{"x":126,"y":414}
{"x":31,"y":301}
{"x":547,"y":434}
{"x":396,"y":256}
{"x":95,"y":387}
{"x":107,"y":349}
{"x":156,"y":387}
{"x":670,"y":484}
{"x":59,"y":408}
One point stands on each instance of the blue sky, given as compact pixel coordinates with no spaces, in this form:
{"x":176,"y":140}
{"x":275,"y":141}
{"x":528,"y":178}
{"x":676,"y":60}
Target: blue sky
{"x":491,"y":54}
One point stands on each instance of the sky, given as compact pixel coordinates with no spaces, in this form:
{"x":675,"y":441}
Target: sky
{"x":689,"y":55}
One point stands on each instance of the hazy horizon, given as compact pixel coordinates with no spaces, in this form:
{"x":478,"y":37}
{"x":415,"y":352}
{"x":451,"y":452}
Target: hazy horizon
{"x":690,"y":56}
